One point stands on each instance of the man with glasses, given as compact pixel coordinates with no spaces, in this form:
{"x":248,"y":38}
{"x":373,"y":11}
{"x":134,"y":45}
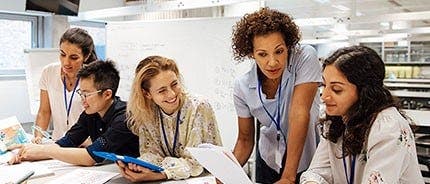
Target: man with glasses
{"x":103,"y":120}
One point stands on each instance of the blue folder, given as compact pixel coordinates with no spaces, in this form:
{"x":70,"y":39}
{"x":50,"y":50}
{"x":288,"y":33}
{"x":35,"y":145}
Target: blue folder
{"x":126,"y":159}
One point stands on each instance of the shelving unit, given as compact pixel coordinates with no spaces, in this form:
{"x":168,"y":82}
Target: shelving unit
{"x":404,"y":59}
{"x":420,"y":51}
{"x":377,"y":46}
{"x":402,"y":53}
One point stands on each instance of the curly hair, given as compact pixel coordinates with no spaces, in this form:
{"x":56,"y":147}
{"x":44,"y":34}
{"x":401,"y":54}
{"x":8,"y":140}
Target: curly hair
{"x":262,"y":22}
{"x":365,"y":69}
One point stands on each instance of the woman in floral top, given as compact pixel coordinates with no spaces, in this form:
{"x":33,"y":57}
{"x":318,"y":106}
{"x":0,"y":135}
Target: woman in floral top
{"x":167,"y":120}
{"x":366,"y":138}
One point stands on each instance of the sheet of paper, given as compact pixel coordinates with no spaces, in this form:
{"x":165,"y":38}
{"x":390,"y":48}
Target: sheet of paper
{"x":39,"y":169}
{"x":202,"y":180}
{"x":57,"y":165}
{"x":83,"y":176}
{"x":12,"y":174}
{"x":220,"y":164}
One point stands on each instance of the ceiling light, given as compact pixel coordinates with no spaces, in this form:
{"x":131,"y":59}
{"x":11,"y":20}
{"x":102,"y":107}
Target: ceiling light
{"x":340,"y":7}
{"x":339,"y":28}
{"x":322,"y":1}
{"x":315,"y":21}
{"x":384,"y":24}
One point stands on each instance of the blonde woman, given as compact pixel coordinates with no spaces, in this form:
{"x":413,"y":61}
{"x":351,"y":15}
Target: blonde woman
{"x":167,"y":120}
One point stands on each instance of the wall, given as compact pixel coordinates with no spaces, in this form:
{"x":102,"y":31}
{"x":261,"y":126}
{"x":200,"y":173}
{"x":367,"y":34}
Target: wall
{"x":14,"y":100}
{"x":12,"y":5}
{"x":324,"y":50}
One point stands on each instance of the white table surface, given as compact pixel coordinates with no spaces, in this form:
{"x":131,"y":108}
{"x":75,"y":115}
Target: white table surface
{"x":106,"y":167}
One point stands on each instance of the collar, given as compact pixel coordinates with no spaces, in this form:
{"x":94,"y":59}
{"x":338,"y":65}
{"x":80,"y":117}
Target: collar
{"x":114,"y":107}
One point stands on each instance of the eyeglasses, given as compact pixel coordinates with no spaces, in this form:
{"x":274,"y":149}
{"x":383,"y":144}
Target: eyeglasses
{"x":85,"y":95}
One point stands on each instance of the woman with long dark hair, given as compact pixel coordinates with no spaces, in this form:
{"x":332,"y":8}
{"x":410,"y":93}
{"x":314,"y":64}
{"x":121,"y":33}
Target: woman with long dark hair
{"x":366,"y":138}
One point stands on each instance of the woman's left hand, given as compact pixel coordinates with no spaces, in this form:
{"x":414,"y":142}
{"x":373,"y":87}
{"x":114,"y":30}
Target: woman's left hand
{"x":136,"y":173}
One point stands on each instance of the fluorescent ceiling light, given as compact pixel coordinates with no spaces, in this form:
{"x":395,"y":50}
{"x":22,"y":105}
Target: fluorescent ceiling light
{"x":339,"y":28}
{"x":340,"y":7}
{"x":315,"y":21}
{"x":339,"y":37}
{"x":358,"y":14}
{"x":370,"y":39}
{"x":384,"y":24}
{"x":400,"y":25}
{"x":322,"y":1}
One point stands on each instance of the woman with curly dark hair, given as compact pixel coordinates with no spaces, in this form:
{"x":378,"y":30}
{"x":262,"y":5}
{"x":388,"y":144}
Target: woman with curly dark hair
{"x":366,"y":138}
{"x":280,"y":92}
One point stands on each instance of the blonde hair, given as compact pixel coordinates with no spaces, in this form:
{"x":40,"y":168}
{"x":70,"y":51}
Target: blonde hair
{"x":139,"y":108}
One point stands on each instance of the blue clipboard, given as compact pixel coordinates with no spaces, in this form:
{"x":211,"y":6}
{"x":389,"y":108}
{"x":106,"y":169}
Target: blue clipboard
{"x":126,"y":159}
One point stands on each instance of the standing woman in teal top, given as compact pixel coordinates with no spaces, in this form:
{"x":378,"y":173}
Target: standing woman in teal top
{"x":280,"y":91}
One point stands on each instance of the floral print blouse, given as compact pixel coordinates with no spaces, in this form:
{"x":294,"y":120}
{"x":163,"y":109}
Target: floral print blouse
{"x":389,"y":157}
{"x":197,"y":124}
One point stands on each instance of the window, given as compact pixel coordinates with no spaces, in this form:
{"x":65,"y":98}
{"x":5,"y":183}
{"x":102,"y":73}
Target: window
{"x":17,"y":32}
{"x":98,"y":33}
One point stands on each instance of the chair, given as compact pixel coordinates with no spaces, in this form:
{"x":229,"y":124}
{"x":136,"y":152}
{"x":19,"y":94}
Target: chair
{"x":422,"y":142}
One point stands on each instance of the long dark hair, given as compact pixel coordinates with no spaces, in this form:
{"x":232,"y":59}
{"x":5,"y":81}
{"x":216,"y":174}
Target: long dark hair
{"x":81,"y":38}
{"x":365,"y":69}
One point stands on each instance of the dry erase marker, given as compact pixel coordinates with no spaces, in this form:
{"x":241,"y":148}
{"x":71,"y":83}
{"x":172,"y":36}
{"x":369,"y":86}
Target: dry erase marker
{"x":43,"y":132}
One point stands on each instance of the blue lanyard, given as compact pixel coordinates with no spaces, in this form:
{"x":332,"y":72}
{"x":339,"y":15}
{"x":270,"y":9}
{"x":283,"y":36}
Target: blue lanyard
{"x":172,"y":153}
{"x":69,"y":107}
{"x":351,"y":177}
{"x":277,"y":121}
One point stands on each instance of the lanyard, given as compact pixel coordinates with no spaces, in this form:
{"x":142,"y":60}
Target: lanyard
{"x":351,"y":177}
{"x":69,"y":107}
{"x":172,"y":153}
{"x":277,"y":114}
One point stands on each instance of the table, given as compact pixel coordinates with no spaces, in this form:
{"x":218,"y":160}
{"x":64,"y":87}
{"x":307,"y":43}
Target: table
{"x":106,"y":167}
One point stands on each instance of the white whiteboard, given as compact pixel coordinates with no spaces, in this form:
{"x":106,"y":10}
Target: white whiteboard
{"x":202,"y":50}
{"x":36,"y":60}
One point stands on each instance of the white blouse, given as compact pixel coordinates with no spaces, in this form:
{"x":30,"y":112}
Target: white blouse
{"x":389,"y":157}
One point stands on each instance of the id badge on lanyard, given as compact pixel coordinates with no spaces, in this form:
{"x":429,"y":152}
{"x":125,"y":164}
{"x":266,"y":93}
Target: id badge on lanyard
{"x":276,"y":119}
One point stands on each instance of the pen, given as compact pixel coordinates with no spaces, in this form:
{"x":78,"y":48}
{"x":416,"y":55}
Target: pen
{"x":43,"y":132}
{"x":25,"y":177}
